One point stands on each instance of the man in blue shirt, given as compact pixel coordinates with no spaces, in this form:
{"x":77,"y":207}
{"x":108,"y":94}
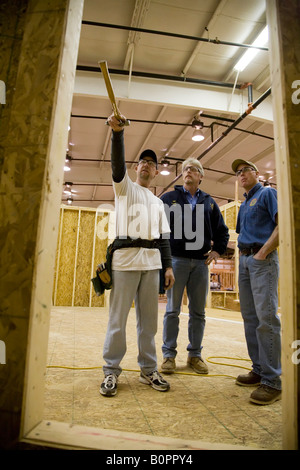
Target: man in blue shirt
{"x":198,"y":236}
{"x":257,"y":226}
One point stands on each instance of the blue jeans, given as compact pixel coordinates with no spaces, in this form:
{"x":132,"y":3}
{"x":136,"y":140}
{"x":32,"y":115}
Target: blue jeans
{"x":192,"y":274}
{"x":258,"y":286}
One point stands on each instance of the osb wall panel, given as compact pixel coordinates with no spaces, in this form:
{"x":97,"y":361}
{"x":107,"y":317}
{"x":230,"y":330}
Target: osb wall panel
{"x":231,"y":301}
{"x":66,"y":258}
{"x":230,"y":213}
{"x":101,"y":243}
{"x":217,"y":299}
{"x":36,"y":53}
{"x":83,"y":271}
{"x":231,"y":217}
{"x":82,"y":245}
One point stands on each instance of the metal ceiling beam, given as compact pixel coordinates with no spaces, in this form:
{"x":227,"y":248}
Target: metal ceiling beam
{"x":203,"y":96}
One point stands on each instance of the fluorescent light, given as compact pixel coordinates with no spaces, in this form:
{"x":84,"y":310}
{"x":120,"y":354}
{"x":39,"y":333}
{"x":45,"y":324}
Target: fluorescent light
{"x":249,"y":55}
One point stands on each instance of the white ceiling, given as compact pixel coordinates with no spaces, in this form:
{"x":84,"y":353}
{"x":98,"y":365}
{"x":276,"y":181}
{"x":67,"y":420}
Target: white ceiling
{"x":162,"y":78}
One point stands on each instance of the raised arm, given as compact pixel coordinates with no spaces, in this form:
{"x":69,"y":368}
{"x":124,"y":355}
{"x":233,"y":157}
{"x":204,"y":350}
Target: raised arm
{"x":117,"y":149}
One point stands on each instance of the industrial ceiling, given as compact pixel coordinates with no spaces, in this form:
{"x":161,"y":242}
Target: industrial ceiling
{"x":170,"y":61}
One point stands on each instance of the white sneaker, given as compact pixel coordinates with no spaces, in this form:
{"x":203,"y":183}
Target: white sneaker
{"x":108,"y":387}
{"x":155,"y":380}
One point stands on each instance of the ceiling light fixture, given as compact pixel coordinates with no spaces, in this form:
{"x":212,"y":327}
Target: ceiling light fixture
{"x":165,"y":165}
{"x":69,"y":200}
{"x":68,"y":188}
{"x":198,"y":133}
{"x":249,"y":55}
{"x":67,"y":166}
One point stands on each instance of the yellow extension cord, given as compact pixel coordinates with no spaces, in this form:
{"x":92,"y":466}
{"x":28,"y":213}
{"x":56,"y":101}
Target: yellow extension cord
{"x":177,"y":372}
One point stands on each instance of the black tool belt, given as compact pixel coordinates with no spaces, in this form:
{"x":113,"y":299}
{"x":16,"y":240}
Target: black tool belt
{"x":134,"y":243}
{"x":250,"y":251}
{"x":103,"y":279}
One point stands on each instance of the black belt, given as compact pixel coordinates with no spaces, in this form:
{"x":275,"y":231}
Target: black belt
{"x":103,"y":280}
{"x":249,"y":251}
{"x":134,"y":243}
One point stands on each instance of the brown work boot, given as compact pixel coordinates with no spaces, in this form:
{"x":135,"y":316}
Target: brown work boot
{"x":265,"y":395}
{"x":168,"y":365}
{"x":248,"y":380}
{"x":198,"y":365}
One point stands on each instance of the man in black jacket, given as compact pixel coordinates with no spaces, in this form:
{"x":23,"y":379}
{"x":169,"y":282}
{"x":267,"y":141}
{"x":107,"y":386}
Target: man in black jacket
{"x":198,"y":236}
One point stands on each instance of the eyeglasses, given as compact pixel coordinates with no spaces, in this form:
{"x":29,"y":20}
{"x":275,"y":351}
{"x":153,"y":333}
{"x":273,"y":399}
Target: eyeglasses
{"x":193,"y":169}
{"x":147,"y":162}
{"x":244,"y":170}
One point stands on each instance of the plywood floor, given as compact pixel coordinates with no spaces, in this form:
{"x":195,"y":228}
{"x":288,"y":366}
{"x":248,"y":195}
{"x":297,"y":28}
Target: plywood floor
{"x":208,"y":408}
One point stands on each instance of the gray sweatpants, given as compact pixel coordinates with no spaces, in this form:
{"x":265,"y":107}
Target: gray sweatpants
{"x":142,"y":287}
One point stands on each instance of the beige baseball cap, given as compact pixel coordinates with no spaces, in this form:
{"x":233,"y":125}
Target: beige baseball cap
{"x":239,"y":161}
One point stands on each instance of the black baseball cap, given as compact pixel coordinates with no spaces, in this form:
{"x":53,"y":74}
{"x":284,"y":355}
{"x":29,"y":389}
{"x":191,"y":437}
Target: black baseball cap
{"x":148,"y":153}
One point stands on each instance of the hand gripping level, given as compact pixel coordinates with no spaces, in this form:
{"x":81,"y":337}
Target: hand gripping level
{"x":111,"y":94}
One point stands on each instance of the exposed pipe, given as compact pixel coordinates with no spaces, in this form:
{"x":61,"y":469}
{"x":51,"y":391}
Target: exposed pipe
{"x":168,"y":123}
{"x":158,"y":76}
{"x":177,"y":160}
{"x":257,"y":134}
{"x":250,"y":93}
{"x":171,"y":123}
{"x":174,"y":35}
{"x":248,"y":111}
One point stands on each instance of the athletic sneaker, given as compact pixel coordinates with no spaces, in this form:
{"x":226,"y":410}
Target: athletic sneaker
{"x":108,"y":387}
{"x":155,"y":380}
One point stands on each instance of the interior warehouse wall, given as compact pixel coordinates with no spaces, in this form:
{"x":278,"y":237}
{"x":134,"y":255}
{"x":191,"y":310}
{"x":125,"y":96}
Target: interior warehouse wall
{"x":82,"y":244}
{"x":84,"y":235}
